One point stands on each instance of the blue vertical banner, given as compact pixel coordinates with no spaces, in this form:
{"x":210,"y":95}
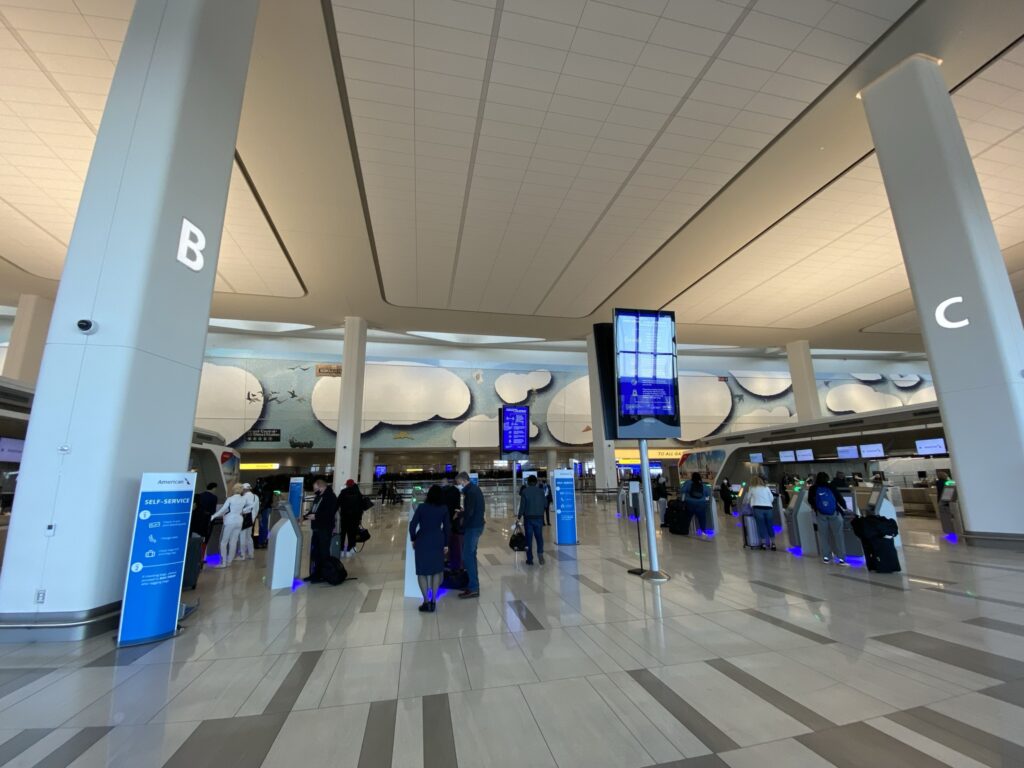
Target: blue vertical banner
{"x":563,"y":485}
{"x":156,"y":565}
{"x":515,"y":429}
{"x":295,"y":494}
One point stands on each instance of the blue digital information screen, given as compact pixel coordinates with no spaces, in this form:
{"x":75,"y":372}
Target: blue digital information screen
{"x":515,"y":429}
{"x":564,"y":488}
{"x":645,"y":363}
{"x":152,"y":591}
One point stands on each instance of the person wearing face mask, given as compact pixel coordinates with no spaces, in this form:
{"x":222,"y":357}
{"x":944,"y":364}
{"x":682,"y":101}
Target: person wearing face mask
{"x":323,"y":512}
{"x":473,"y":528}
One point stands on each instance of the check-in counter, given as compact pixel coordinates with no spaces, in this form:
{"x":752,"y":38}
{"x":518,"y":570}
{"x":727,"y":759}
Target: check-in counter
{"x":919,"y":502}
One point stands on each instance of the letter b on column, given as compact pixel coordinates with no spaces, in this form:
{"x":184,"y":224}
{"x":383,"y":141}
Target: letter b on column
{"x":190,"y":245}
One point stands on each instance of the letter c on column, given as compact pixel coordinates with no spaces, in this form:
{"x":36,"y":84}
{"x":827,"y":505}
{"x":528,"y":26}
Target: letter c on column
{"x":190,"y":245}
{"x":945,"y":322}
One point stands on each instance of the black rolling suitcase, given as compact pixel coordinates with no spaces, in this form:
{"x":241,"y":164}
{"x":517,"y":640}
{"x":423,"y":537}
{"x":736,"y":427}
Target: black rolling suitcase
{"x":193,"y":562}
{"x":877,"y":536}
{"x":672,"y":511}
{"x":682,"y":521}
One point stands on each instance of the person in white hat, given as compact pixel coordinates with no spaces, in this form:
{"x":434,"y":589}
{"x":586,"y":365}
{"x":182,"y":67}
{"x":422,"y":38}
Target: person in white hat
{"x":250,"y":509}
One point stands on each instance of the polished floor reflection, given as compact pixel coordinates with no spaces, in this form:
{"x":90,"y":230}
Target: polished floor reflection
{"x":742,"y":659}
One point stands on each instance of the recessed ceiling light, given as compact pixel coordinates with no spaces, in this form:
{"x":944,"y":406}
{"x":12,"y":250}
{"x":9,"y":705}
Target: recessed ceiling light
{"x":469,"y":338}
{"x":257,"y":326}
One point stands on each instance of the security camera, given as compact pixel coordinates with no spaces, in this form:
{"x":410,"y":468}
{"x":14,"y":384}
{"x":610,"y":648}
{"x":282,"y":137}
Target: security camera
{"x":87,"y":327}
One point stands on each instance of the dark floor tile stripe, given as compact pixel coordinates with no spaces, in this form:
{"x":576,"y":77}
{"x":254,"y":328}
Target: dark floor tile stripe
{"x":590,"y":583}
{"x":379,"y":735}
{"x":789,"y":626}
{"x":1002,"y":626}
{"x":966,"y":739}
{"x":371,"y":601}
{"x":122,"y":657}
{"x":74,"y":748}
{"x":983,"y":598}
{"x":492,"y":559}
{"x":956,"y":654}
{"x":15,"y":745}
{"x":13,"y":679}
{"x":710,"y":734}
{"x":438,"y":734}
{"x":239,"y":742}
{"x":777,"y":699}
{"x":1011,"y":693}
{"x":704,"y":761}
{"x":787,"y":591}
{"x":871,"y":582}
{"x":525,"y":615}
{"x":623,"y":563}
{"x":986,"y":565}
{"x":858,"y":745}
{"x":288,"y":692}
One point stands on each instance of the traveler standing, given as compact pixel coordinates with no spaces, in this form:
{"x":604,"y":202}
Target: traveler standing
{"x":473,"y":528}
{"x":249,"y":512}
{"x":659,"y":495}
{"x":546,"y":488}
{"x":762,"y":500}
{"x":453,"y":500}
{"x":266,"y":502}
{"x":231,"y":511}
{"x":725,"y":494}
{"x":531,"y":510}
{"x":206,"y":505}
{"x":828,"y":507}
{"x":695,"y":495}
{"x":323,"y":511}
{"x":350,"y":505}
{"x":428,"y":531}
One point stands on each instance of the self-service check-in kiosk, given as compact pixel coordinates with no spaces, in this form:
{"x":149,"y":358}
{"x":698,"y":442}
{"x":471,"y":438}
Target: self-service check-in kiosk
{"x":854,"y":547}
{"x":799,"y":519}
{"x":949,"y":510}
{"x":284,"y":548}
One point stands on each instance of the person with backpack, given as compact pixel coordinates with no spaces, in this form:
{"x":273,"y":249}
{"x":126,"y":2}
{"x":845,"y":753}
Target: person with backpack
{"x":531,"y":511}
{"x":828,"y":515}
{"x":428,"y":531}
{"x":695,"y":495}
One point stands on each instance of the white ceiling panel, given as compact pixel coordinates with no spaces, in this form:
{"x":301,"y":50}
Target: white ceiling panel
{"x":56,"y":63}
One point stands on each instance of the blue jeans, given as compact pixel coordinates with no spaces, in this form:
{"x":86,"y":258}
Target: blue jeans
{"x":264,"y":522}
{"x":764,"y":518}
{"x":533,"y":527}
{"x":471,"y":540}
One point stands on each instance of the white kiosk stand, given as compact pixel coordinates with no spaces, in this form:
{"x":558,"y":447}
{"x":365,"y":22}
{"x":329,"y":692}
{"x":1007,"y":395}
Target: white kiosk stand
{"x":284,"y":549}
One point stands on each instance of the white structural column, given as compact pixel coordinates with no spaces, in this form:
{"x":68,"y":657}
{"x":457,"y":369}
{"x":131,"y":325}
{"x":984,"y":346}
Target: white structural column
{"x":116,"y":395}
{"x":366,"y":465}
{"x":465,"y":460}
{"x":28,"y":338}
{"x":350,"y":403}
{"x":604,"y":450}
{"x":805,"y":386}
{"x":552,"y":459}
{"x":969,"y":317}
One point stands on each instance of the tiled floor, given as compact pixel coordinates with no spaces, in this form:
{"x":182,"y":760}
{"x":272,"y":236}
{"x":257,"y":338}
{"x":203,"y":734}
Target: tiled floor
{"x":743,"y":659}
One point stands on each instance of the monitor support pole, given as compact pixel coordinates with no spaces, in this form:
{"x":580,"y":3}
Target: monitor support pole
{"x":654,"y":574}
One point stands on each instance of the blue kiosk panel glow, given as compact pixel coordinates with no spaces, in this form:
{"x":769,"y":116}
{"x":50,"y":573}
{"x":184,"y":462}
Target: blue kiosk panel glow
{"x":156,"y":564}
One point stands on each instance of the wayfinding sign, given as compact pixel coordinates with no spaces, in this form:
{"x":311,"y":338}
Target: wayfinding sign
{"x":647,"y":384}
{"x":156,"y":565}
{"x":515,"y":429}
{"x":563,"y":487}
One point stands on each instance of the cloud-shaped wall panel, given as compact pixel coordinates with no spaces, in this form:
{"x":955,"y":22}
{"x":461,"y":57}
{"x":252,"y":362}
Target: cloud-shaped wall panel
{"x":867,"y":377}
{"x":763,"y":383}
{"x":906,"y":380}
{"x":706,"y":403}
{"x":923,"y":395}
{"x":516,"y":387}
{"x":569,"y":413}
{"x":230,"y":400}
{"x":396,"y":393}
{"x":762,"y":417}
{"x":481,"y":431}
{"x":859,"y":398}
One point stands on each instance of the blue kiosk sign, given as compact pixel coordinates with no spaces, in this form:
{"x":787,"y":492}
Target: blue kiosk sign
{"x":152,"y":586}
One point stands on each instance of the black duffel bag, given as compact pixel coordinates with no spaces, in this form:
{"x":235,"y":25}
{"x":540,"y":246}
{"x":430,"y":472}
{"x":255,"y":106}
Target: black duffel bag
{"x":517,"y":541}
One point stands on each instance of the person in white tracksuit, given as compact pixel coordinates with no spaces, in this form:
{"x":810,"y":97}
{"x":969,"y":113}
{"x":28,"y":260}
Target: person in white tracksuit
{"x":246,"y":550}
{"x":231,"y":510}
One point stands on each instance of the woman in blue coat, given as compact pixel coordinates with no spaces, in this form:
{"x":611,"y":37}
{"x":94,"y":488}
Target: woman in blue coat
{"x":428,"y":530}
{"x":695,"y":494}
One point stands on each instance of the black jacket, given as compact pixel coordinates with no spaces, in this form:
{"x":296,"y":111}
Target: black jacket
{"x":325,"y":506}
{"x":473,"y":507}
{"x":452,"y":498}
{"x":350,"y":502}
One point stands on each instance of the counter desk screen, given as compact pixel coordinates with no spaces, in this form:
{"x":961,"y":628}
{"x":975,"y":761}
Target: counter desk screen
{"x":757,"y":458}
{"x":805,"y":454}
{"x":848,"y":501}
{"x":647,"y":384}
{"x":948,"y":493}
{"x":931,"y":447}
{"x":735,"y":487}
{"x":515,"y":429}
{"x":787,"y":456}
{"x":872,"y":451}
{"x":847,"y":452}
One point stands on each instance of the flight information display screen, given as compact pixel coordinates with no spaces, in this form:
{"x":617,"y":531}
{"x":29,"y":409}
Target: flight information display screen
{"x":847,"y":451}
{"x":931,"y":447}
{"x":805,"y":454}
{"x":647,"y":383}
{"x":757,"y":458}
{"x":787,"y":456}
{"x":872,"y":451}
{"x":515,"y":429}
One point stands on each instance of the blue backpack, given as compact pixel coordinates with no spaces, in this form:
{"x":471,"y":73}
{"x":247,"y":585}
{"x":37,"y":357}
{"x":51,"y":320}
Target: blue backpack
{"x":824,"y":501}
